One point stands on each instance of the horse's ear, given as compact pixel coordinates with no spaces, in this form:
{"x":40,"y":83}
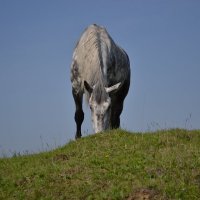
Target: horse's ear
{"x":88,"y":87}
{"x":112,"y":88}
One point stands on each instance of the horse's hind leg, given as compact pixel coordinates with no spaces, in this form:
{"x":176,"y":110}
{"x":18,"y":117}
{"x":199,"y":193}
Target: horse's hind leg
{"x":79,"y":114}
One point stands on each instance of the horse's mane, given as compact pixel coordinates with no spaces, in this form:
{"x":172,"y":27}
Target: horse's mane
{"x":99,"y":92}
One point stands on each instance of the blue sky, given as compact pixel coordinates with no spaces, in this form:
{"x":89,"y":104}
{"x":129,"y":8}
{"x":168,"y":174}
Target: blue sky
{"x":37,"y":39}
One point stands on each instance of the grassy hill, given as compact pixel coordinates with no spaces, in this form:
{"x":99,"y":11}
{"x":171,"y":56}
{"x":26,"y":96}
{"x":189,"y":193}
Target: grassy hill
{"x":112,"y":165}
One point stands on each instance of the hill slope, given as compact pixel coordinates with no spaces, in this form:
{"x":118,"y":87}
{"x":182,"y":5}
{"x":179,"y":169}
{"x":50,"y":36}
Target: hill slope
{"x":113,"y":165}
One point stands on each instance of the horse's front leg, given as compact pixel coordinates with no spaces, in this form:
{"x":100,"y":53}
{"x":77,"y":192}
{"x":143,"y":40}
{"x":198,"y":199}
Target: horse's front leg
{"x":116,"y":111}
{"x":79,"y":114}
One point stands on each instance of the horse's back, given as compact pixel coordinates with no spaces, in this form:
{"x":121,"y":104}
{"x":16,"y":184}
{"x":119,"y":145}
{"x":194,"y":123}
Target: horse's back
{"x":96,"y":54}
{"x":88,"y":50}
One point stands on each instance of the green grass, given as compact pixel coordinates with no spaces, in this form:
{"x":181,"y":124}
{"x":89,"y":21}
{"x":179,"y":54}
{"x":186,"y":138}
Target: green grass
{"x":112,"y":165}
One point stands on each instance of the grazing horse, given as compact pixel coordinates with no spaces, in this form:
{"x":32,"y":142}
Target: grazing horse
{"x":101,"y":70}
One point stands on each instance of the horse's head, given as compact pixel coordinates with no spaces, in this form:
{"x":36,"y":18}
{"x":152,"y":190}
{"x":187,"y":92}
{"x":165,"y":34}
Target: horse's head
{"x":100,"y":105}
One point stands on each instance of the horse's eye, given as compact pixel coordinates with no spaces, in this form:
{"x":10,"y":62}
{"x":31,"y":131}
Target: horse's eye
{"x":91,"y":107}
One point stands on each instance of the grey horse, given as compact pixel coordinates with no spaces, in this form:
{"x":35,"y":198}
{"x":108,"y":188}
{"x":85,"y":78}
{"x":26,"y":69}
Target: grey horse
{"x":101,"y":70}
